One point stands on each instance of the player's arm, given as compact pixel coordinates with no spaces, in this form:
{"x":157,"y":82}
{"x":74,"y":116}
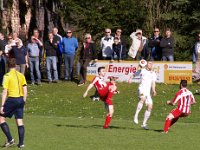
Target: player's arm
{"x":130,"y":78}
{"x":153,"y":88}
{"x":170,"y":103}
{"x":193,"y":100}
{"x":4,"y":95}
{"x":88,"y":89}
{"x":25,"y":92}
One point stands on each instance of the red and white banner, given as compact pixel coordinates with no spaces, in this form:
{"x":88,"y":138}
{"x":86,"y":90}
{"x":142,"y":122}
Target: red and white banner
{"x":167,"y":72}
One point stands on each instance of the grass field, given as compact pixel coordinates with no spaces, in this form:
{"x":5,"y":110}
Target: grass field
{"x":58,"y":118}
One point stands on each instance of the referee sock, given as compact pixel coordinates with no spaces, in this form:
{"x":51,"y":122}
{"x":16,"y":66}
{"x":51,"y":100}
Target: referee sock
{"x":21,"y":134}
{"x":6,"y":131}
{"x":167,"y":125}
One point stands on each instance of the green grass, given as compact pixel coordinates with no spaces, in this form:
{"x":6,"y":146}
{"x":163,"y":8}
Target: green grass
{"x":58,"y":118}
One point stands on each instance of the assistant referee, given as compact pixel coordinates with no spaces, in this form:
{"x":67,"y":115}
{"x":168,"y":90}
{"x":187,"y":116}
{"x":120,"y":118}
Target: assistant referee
{"x":13,"y":99}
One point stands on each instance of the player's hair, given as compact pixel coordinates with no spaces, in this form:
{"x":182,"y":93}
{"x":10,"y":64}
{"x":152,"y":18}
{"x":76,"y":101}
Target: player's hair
{"x":183,"y":83}
{"x":99,"y":69}
{"x":12,"y":63}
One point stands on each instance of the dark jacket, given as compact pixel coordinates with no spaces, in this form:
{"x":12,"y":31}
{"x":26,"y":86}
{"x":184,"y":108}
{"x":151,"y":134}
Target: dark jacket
{"x":19,"y":54}
{"x":88,"y":51}
{"x":119,"y":50}
{"x":167,"y":45}
{"x":156,"y":50}
{"x":51,"y":48}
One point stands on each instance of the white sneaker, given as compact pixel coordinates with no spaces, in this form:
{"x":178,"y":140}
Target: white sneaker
{"x":9,"y":144}
{"x":145,"y":127}
{"x":95,"y":98}
{"x":135,"y":120}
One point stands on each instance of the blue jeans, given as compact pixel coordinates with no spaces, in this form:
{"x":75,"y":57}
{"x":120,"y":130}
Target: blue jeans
{"x":34,"y":64}
{"x":168,"y":58}
{"x":69,"y":62}
{"x":52,"y":60}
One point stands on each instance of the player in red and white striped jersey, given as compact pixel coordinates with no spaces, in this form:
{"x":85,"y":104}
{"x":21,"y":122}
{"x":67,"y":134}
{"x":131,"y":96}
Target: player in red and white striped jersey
{"x":185,"y":99}
{"x":105,"y":92}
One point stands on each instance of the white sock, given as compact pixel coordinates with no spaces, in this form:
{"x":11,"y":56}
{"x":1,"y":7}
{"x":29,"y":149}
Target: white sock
{"x":139,"y":107}
{"x":146,"y":117}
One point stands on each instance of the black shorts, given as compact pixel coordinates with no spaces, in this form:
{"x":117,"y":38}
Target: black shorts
{"x":14,"y":106}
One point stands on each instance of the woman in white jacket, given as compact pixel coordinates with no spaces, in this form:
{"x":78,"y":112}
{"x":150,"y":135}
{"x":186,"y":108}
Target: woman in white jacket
{"x":138,"y":42}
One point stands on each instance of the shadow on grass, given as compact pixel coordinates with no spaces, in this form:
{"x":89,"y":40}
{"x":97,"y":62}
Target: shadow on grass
{"x":158,"y":131}
{"x":91,"y":126}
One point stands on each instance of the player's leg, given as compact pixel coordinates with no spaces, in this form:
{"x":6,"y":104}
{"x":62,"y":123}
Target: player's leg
{"x":19,"y":113}
{"x":147,"y":115}
{"x":149,"y":103}
{"x":110,"y":110}
{"x":168,"y":122}
{"x":6,"y":131}
{"x":21,"y":131}
{"x":171,"y":119}
{"x":139,"y":107}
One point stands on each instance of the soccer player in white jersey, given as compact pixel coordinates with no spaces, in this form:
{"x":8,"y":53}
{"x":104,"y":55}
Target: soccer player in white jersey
{"x":185,"y":99}
{"x":146,"y":86}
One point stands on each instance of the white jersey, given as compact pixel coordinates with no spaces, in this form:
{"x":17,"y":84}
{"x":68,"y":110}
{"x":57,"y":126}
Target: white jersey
{"x":146,"y":79}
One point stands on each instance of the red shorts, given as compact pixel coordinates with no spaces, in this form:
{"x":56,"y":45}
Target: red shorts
{"x":177,"y":113}
{"x":106,"y":96}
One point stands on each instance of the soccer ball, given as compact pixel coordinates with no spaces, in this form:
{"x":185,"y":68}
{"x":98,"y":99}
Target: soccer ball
{"x":143,"y":63}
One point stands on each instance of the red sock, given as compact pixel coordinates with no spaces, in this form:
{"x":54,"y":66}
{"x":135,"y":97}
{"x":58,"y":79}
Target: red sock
{"x":107,"y":121}
{"x":167,"y":125}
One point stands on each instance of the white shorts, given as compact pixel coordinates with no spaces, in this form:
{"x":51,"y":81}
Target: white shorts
{"x":147,"y":95}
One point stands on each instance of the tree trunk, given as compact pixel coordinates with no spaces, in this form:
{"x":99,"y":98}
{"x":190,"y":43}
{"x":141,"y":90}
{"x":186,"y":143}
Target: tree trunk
{"x":15,"y":19}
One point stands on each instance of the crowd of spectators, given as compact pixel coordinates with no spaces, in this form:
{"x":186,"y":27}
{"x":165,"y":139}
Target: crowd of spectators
{"x":57,"y":51}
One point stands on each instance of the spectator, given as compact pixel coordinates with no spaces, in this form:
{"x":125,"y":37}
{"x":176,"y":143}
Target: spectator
{"x":2,"y":64}
{"x":2,"y":57}
{"x":88,"y":53}
{"x":196,"y":55}
{"x":16,"y":39}
{"x":138,"y":44}
{"x":167,"y":44}
{"x":58,"y":38}
{"x":39,"y":42}
{"x":19,"y":52}
{"x":119,"y":51}
{"x":154,"y":44}
{"x":122,"y":40}
{"x":2,"y":41}
{"x":50,"y":48}
{"x":34,"y":53}
{"x":70,"y":45}
{"x":9,"y":45}
{"x":106,"y":45}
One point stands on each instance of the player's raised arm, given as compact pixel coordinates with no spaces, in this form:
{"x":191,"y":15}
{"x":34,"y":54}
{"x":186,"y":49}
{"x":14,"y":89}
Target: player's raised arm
{"x":130,"y":78}
{"x":88,"y":89}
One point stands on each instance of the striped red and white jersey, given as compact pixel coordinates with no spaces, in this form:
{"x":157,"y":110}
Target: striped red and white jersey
{"x":99,"y":83}
{"x":184,"y":98}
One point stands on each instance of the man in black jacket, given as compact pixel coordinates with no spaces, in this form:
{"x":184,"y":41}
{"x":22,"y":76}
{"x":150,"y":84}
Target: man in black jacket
{"x":167,"y":44}
{"x":51,"y":46}
{"x":154,"y":44}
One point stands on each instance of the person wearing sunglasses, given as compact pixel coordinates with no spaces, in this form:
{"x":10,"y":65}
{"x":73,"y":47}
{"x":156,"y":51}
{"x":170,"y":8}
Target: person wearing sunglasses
{"x":106,"y":45}
{"x":70,"y":45}
{"x":154,"y":44}
{"x":87,"y":55}
{"x":196,"y":54}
